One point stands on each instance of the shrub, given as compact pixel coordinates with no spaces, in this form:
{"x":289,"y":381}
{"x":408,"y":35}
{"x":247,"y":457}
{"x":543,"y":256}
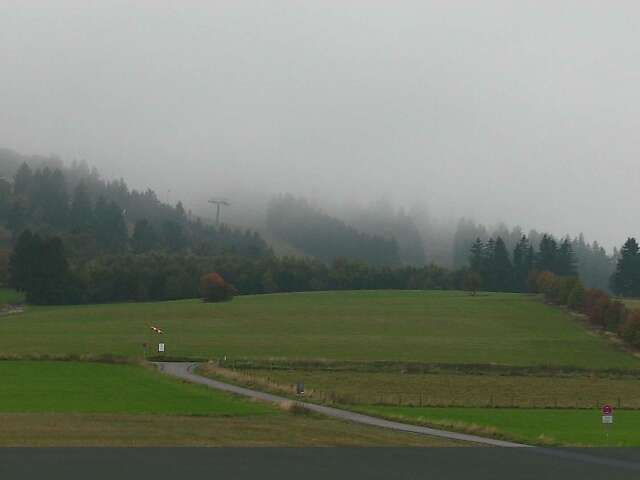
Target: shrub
{"x":630,"y":329}
{"x":532,"y":282}
{"x":565,"y":286}
{"x":213,"y":288}
{"x":546,"y":283}
{"x":614,"y":315}
{"x":472,"y":282}
{"x":595,"y":303}
{"x":577,"y":297}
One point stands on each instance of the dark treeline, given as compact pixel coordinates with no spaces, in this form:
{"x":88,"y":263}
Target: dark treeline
{"x":39,"y":267}
{"x":501,"y":271}
{"x":592,"y":263}
{"x":317,"y":234}
{"x":79,"y":238}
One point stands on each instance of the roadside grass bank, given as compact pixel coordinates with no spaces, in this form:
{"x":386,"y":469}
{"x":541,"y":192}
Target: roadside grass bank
{"x":125,"y":430}
{"x":535,"y":426}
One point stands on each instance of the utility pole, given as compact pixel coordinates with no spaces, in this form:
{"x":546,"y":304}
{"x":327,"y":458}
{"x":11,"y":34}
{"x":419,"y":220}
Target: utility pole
{"x":218,"y":202}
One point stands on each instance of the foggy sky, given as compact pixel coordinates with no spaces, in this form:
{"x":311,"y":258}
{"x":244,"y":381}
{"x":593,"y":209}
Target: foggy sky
{"x":525,"y":112}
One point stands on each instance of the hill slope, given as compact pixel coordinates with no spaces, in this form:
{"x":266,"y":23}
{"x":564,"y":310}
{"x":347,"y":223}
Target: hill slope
{"x":407,"y":326}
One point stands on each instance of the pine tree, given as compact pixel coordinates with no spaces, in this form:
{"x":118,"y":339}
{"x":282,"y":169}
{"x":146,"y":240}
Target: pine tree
{"x":547,"y":254}
{"x":477,"y":256}
{"x":488,"y":271}
{"x":81,"y":218}
{"x":38,"y":266}
{"x":50,"y":199}
{"x":173,"y":236}
{"x":565,"y":260}
{"x":22,"y":180}
{"x":144,"y":237}
{"x":626,"y":279}
{"x":22,"y":261}
{"x":522,"y":264}
{"x":111,"y":229}
{"x":502,"y":270}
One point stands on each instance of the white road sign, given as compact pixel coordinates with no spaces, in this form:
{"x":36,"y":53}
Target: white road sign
{"x":607,"y":419}
{"x":161,"y":347}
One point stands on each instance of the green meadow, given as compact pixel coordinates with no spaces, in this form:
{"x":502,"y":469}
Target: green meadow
{"x":401,"y":326}
{"x":84,"y":387}
{"x":66,"y":403}
{"x":490,"y":349}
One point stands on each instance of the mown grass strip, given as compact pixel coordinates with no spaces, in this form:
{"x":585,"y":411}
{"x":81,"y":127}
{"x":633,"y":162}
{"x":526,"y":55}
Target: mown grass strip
{"x":535,"y":426}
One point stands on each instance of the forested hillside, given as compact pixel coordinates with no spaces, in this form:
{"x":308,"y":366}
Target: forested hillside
{"x":324,"y":237}
{"x":75,"y":237}
{"x":94,"y":216}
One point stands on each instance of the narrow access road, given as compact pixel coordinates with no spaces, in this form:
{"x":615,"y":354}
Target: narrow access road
{"x":185,"y":371}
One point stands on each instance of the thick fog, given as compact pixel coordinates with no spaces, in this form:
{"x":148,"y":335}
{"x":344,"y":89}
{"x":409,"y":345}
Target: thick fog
{"x":522,"y":112}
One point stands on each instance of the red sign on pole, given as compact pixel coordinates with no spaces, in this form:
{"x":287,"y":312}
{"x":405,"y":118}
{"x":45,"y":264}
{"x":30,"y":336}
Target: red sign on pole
{"x":607,"y":410}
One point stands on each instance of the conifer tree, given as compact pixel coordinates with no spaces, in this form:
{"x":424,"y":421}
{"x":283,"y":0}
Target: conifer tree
{"x":626,"y":279}
{"x":81,"y":217}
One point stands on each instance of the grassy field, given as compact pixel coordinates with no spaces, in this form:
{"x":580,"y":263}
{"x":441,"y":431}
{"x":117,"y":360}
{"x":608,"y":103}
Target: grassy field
{"x":539,"y":426}
{"x":410,"y":326}
{"x":123,"y":430}
{"x":82,"y":404}
{"x":75,"y":387}
{"x":372,"y":333}
{"x":444,"y":389}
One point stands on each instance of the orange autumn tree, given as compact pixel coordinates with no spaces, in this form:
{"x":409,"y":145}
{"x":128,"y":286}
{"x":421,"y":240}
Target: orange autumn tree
{"x":214,"y":288}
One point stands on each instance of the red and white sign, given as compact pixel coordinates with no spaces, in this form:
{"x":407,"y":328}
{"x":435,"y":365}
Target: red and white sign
{"x":607,"y":414}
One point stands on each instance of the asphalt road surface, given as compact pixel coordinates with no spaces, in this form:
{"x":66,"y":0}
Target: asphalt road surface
{"x":625,"y":462}
{"x":185,"y":371}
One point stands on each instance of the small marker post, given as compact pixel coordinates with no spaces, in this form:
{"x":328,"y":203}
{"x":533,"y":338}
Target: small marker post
{"x":607,"y":418}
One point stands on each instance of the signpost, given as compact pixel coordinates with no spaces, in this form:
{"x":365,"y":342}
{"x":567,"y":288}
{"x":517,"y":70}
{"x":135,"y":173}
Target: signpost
{"x":300,"y":389}
{"x":157,"y":330}
{"x":607,"y":414}
{"x":607,"y":418}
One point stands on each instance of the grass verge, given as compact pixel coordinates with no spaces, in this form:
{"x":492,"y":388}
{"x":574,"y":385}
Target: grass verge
{"x":122,"y":430}
{"x":534,"y":426}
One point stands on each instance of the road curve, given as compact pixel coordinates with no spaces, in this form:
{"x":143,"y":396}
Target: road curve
{"x":185,"y":371}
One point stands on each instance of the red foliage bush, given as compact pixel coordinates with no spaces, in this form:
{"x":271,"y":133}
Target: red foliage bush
{"x":596,"y":303}
{"x":214,"y":288}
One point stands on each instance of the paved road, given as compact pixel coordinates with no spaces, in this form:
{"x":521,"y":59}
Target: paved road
{"x":185,"y":371}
